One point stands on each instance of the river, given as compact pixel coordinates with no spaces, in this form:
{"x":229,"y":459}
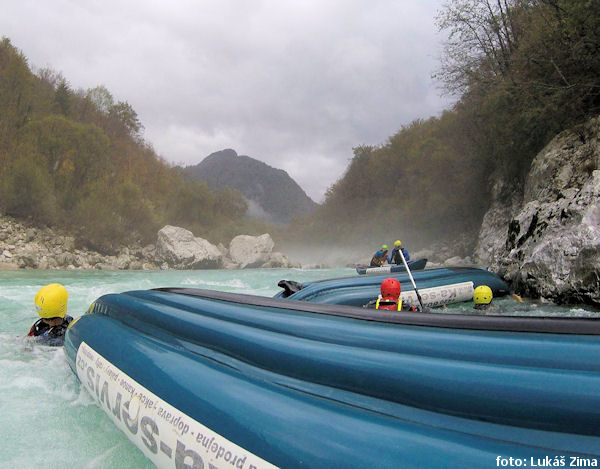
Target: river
{"x":48,"y":420}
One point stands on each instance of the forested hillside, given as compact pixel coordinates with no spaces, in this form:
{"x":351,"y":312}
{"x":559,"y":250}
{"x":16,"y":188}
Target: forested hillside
{"x":522,"y":71}
{"x":77,"y":160}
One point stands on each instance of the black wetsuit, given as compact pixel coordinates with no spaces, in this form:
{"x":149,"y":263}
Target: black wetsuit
{"x":395,"y":256}
{"x":52,"y":335}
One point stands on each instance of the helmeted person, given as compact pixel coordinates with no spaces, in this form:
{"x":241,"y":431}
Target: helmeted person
{"x":482,"y":297}
{"x":389,"y":297}
{"x":380,"y":257}
{"x":51,"y":305}
{"x":395,"y":254}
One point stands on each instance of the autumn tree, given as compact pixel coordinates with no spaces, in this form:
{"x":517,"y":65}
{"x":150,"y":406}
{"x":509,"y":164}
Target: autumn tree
{"x":77,"y":159}
{"x":524,"y":69}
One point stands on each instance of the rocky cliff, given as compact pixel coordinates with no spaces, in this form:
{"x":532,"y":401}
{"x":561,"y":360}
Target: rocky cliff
{"x":544,"y":237}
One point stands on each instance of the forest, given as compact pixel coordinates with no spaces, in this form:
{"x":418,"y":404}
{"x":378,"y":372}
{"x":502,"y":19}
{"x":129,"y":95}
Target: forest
{"x":521,"y":71}
{"x":76,"y":160}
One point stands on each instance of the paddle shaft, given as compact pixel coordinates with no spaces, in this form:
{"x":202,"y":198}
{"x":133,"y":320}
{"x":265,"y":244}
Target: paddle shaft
{"x":411,"y":279}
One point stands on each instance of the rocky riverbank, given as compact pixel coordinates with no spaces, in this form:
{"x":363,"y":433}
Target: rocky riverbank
{"x":23,"y":246}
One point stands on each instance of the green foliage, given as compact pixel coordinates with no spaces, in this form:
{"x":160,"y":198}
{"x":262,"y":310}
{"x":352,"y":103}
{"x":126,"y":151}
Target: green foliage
{"x":124,"y":113}
{"x":72,"y":154}
{"x":16,"y":95}
{"x":76,"y":160}
{"x":62,"y":98}
{"x":132,"y":217}
{"x":27,"y":192}
{"x":527,"y":69}
{"x":416,"y":186}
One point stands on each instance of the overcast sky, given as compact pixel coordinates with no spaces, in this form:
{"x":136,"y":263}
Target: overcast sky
{"x":294,"y":83}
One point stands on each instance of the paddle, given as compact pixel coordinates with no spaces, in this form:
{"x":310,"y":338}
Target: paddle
{"x":411,"y":279}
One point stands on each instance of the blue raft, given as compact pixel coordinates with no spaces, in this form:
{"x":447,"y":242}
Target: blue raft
{"x":199,"y":378}
{"x":437,"y":287}
{"x":418,"y":264}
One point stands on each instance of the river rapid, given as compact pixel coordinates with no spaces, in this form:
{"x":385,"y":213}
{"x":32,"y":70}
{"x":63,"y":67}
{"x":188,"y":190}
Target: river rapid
{"x":48,"y":420}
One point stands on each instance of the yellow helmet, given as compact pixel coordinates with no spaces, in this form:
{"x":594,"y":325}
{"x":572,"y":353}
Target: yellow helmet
{"x":482,"y":295}
{"x":51,"y":301}
{"x":397,"y":243}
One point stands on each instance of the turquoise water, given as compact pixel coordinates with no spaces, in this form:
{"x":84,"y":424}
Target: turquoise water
{"x":47,"y":420}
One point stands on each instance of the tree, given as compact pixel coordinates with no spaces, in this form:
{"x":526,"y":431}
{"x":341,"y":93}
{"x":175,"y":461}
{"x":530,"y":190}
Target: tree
{"x":126,"y":117}
{"x":483,"y":35}
{"x":16,"y":97}
{"x":527,"y":69}
{"x":72,"y":154}
{"x":29,"y":193}
{"x":101,"y":98}
{"x":62,"y":98}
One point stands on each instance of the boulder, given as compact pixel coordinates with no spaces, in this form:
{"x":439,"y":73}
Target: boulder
{"x":64,"y":259}
{"x":223,"y":249}
{"x":278,"y":260}
{"x":250,"y":251}
{"x":181,"y":250}
{"x":551,"y":248}
{"x":28,"y":259}
{"x":149,"y":252}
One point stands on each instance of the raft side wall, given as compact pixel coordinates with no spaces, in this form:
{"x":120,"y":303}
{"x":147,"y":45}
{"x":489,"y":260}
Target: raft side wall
{"x":493,"y":375}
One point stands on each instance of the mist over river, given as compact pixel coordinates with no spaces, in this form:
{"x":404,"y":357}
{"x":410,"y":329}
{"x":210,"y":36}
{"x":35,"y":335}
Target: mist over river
{"x":48,"y":420}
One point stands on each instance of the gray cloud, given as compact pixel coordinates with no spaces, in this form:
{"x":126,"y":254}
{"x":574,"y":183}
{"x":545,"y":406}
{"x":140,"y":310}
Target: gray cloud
{"x":296,"y":84}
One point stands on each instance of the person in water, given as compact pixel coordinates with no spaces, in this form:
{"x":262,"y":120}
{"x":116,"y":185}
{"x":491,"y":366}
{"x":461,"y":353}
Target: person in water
{"x":379,"y":257}
{"x":51,"y":305}
{"x":482,"y":297}
{"x":390,"y":297}
{"x":395,"y":257}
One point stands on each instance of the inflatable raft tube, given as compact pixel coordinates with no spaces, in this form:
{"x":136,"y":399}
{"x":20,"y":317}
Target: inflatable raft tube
{"x":418,"y":264}
{"x":436,"y":287}
{"x":210,"y":379}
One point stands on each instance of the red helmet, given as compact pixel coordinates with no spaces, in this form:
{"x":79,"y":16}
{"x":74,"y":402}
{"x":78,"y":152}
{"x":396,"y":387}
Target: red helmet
{"x":390,"y":287}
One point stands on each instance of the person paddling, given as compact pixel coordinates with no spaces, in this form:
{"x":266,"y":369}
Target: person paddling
{"x":395,"y":254}
{"x":51,"y":305}
{"x":379,"y":257}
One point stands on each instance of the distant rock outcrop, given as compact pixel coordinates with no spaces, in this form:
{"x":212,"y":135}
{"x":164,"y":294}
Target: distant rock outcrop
{"x":271,"y":193}
{"x":178,"y":248}
{"x":552,"y":245}
{"x":181,"y":250}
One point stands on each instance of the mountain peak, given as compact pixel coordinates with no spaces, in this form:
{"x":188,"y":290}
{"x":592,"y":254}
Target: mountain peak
{"x":227,"y":153}
{"x":271,"y":193}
